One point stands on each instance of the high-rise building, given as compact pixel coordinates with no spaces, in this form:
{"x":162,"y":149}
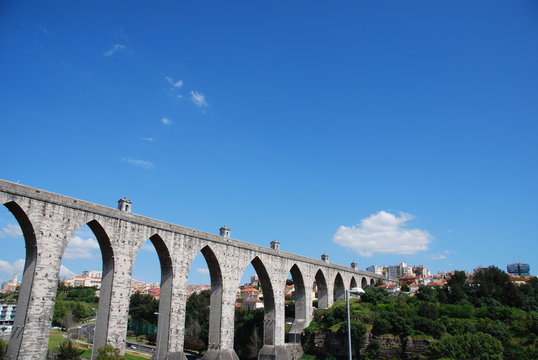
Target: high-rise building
{"x":519,"y":269}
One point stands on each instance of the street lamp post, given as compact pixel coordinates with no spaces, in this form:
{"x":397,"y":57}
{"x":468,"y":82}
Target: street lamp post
{"x":356,"y":291}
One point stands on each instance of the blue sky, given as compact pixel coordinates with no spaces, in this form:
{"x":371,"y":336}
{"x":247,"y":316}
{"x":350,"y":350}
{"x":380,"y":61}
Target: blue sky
{"x":374,"y":131}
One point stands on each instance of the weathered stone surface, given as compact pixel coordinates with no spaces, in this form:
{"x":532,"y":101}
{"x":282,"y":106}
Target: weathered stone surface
{"x":414,"y":348}
{"x":390,"y":347}
{"x":48,"y":222}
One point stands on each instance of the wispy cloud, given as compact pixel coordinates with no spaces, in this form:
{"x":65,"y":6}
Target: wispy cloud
{"x":148,"y":139}
{"x":198,"y":98}
{"x":383,"y":233}
{"x":148,"y":247}
{"x":442,"y":256}
{"x":66,"y":273}
{"x":175,"y":84}
{"x":11,"y":230}
{"x":137,"y":162}
{"x":12,"y":268}
{"x":166,"y":121}
{"x":79,"y":248}
{"x":204,"y":271}
{"x":116,"y":48}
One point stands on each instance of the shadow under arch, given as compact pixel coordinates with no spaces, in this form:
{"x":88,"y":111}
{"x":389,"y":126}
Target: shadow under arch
{"x":268,"y":301}
{"x":163,"y":322}
{"x":23,"y":302}
{"x":353,"y":283}
{"x":372,"y":281}
{"x":339,"y":288}
{"x":364,"y":282}
{"x":299,"y":323}
{"x":215,"y":300}
{"x":323,"y":292}
{"x":105,"y":292}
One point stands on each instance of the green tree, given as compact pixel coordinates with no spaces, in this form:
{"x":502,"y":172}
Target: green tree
{"x":197,"y":320}
{"x":108,"y":352}
{"x":426,"y":293}
{"x":375,"y":295}
{"x":67,"y":350}
{"x":144,"y":307}
{"x":3,"y":349}
{"x":493,"y":283}
{"x":477,"y":346}
{"x":248,"y":335}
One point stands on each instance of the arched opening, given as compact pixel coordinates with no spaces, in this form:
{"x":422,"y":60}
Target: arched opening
{"x":339,"y":288}
{"x":150,"y":297}
{"x":17,"y":271}
{"x":322,"y":294}
{"x":255,"y":312}
{"x":84,"y":289}
{"x":295,"y":305}
{"x":203,"y":311}
{"x":353,"y":283}
{"x":364,"y":283}
{"x":372,"y":282}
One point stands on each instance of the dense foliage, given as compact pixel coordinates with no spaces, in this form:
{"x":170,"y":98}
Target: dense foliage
{"x":144,"y":307}
{"x":68,"y":351}
{"x":197,"y":321}
{"x":248,"y":336}
{"x":488,"y":313}
{"x":73,"y":305}
{"x":108,"y":352}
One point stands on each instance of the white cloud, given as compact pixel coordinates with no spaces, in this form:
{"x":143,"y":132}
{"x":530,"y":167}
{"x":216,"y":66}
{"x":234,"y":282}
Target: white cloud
{"x":204,"y":271}
{"x":198,"y":98}
{"x":11,"y":230}
{"x":176,"y":84}
{"x":148,"y":139}
{"x":116,"y":48}
{"x":383,"y":233}
{"x":79,"y":248}
{"x":65,"y":273}
{"x":148,"y":246}
{"x":437,"y":257}
{"x":141,"y":163}
{"x":12,"y":268}
{"x":166,"y":121}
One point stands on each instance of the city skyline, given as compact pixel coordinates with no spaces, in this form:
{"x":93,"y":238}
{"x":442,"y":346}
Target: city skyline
{"x":375,"y":133}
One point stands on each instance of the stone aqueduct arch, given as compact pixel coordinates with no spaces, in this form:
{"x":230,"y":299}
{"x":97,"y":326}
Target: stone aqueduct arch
{"x":48,"y":221}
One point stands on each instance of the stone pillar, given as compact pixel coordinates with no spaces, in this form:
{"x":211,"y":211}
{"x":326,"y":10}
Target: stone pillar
{"x":221,"y":345}
{"x":178,"y":305}
{"x":30,"y":334}
{"x":113,"y":311}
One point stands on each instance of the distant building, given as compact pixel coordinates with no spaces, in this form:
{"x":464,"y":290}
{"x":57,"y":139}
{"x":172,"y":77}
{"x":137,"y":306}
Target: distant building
{"x":89,"y":278}
{"x":7,"y":318}
{"x":519,"y":269}
{"x":11,"y":285}
{"x":397,"y":271}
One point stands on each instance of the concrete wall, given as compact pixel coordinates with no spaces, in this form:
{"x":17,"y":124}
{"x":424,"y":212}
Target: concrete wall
{"x":48,"y":222}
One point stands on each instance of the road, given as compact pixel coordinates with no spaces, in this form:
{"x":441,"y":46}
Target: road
{"x":87,"y":331}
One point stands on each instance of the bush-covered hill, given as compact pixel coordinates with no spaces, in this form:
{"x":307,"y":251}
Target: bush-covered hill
{"x":487,"y":317}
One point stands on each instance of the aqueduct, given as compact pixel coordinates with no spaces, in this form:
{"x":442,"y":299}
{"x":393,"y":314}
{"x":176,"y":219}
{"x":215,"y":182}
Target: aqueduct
{"x":48,"y":221}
